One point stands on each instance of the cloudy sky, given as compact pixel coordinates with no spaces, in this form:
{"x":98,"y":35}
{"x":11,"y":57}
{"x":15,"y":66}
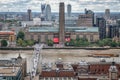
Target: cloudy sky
{"x":77,"y":5}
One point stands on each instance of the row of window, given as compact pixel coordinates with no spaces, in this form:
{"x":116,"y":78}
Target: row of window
{"x":56,"y":36}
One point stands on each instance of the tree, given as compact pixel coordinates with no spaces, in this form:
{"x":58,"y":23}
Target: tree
{"x":30,"y":42}
{"x":20,"y":35}
{"x":118,"y":44}
{"x":72,"y":42}
{"x":50,"y":42}
{"x":101,"y":43}
{"x":113,"y":44}
{"x":4,"y":43}
{"x":105,"y":42}
{"x":20,"y":42}
{"x":81,"y":42}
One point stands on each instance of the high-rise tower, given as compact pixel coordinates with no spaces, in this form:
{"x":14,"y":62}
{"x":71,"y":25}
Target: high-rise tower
{"x":43,"y":8}
{"x":61,"y":23}
{"x":68,"y":10}
{"x":107,"y":14}
{"x":101,"y":23}
{"x":29,"y":14}
{"x":48,"y":12}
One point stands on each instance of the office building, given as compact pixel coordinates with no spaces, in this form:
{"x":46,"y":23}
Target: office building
{"x":69,"y":9}
{"x":48,"y":13}
{"x":113,"y":32}
{"x":107,"y":14}
{"x":86,"y":19}
{"x":71,"y":21}
{"x":29,"y":14}
{"x":101,"y":23}
{"x":43,"y":8}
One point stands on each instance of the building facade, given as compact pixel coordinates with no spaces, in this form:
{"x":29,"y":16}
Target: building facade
{"x":113,"y":31}
{"x":86,"y":19}
{"x":8,"y":35}
{"x":101,"y":23}
{"x":107,"y":14}
{"x":29,"y":14}
{"x":48,"y":13}
{"x":69,"y":8}
{"x":57,"y":71}
{"x":43,"y":34}
{"x":80,"y":71}
{"x":13,"y":69}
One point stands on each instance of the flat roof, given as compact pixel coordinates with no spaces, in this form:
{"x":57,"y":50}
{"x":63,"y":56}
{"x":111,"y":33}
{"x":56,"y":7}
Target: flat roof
{"x":8,"y":71}
{"x":7,"y":33}
{"x":67,"y":29}
{"x":53,"y":66}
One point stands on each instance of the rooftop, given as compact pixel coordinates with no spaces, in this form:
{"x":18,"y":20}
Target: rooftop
{"x":68,"y":29}
{"x":7,"y":33}
{"x":9,"y":71}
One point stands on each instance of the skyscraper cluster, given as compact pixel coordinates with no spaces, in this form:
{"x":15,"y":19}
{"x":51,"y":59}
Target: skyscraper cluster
{"x":46,"y":12}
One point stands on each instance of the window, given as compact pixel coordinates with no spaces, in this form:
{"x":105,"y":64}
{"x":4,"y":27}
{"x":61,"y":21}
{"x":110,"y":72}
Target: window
{"x":91,"y":37}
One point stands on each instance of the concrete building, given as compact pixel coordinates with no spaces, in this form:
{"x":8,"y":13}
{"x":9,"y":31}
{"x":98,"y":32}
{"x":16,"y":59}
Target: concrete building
{"x":10,"y":73}
{"x":101,"y":23}
{"x":86,"y":19}
{"x":37,"y":21}
{"x":71,"y":21}
{"x":29,"y":14}
{"x":113,"y":32}
{"x":13,"y":69}
{"x":69,"y":9}
{"x":107,"y":14}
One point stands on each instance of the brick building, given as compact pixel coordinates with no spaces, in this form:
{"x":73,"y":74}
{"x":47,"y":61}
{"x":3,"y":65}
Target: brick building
{"x":57,"y":71}
{"x":8,"y":35}
{"x":97,"y":70}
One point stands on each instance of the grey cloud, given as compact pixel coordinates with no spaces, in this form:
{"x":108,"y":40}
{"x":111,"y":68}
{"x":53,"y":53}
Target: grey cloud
{"x":77,"y":5}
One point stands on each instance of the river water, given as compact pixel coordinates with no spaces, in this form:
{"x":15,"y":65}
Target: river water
{"x":67,"y":55}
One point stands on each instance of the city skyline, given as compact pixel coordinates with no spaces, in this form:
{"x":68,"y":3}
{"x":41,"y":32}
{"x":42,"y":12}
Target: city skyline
{"x":77,"y":5}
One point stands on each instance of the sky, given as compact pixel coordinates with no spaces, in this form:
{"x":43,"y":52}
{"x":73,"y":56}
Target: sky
{"x":77,"y":5}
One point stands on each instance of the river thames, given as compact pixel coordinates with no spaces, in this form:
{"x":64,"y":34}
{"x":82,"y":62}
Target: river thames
{"x":67,"y":55}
